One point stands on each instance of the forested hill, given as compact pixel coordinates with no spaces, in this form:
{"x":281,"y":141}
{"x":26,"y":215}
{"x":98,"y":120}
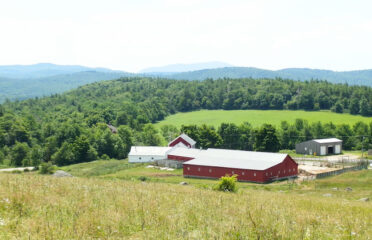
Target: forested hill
{"x":361,"y":77}
{"x":71,"y":127}
{"x":20,"y":89}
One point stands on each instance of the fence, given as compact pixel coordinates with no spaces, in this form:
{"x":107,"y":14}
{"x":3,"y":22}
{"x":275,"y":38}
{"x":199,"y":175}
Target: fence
{"x":343,"y":170}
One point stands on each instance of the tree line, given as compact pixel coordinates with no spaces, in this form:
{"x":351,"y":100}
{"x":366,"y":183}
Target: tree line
{"x":72,"y":127}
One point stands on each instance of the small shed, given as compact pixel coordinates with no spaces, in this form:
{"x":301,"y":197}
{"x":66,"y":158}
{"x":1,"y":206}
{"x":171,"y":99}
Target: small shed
{"x":320,"y":147}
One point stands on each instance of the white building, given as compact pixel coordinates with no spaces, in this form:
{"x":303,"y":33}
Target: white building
{"x":139,"y":154}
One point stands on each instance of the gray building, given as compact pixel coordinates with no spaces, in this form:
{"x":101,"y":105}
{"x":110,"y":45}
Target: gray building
{"x":320,"y":147}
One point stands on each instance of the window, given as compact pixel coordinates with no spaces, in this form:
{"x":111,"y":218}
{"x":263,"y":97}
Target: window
{"x":243,"y":173}
{"x":152,"y":158}
{"x":284,"y":171}
{"x":254,"y":174}
{"x":293,"y":170}
{"x":266,"y":174}
{"x":188,"y":168}
{"x":210,"y":170}
{"x":278,"y":172}
{"x":139,"y":158}
{"x":289,"y":170}
{"x":199,"y":169}
{"x":271,"y":173}
{"x":232,"y":172}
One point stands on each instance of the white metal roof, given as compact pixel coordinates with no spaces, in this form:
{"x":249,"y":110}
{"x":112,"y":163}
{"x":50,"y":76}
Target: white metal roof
{"x":185,"y":152}
{"x":327,"y":140}
{"x":237,"y":159}
{"x":186,"y":138}
{"x":148,"y":151}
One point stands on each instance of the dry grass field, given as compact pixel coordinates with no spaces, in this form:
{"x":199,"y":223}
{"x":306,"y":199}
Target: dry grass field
{"x":43,"y":207}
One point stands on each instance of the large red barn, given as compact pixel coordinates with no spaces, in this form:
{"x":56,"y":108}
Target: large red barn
{"x":249,"y":166}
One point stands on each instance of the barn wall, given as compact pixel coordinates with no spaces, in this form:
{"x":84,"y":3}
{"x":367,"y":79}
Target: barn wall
{"x":179,"y":140}
{"x":287,"y":168}
{"x":217,"y":172}
{"x":146,"y":158}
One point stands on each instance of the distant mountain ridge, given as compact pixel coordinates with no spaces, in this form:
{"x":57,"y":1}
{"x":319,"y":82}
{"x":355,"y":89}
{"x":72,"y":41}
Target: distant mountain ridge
{"x":358,"y":77}
{"x":176,"y":68}
{"x":20,"y":82}
{"x":41,"y":70}
{"x":27,"y":81}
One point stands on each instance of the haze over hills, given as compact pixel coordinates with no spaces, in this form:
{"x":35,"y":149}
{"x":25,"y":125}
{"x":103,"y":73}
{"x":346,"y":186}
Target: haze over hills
{"x":175,"y":68}
{"x":27,"y":81}
{"x":360,"y":77}
{"x":41,"y":70}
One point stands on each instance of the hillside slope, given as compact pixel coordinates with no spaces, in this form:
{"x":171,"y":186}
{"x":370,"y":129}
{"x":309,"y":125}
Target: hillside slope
{"x":43,"y":207}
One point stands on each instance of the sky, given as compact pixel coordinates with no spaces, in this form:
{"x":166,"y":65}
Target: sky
{"x":132,"y":35}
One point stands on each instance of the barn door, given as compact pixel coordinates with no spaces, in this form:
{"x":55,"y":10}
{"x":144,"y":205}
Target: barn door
{"x":338,"y":149}
{"x":322,"y":150}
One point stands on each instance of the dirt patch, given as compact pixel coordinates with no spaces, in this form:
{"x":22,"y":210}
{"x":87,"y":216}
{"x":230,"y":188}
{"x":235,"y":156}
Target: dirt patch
{"x":307,"y":169}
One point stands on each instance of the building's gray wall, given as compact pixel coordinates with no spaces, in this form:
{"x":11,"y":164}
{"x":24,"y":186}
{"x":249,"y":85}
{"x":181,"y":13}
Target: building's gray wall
{"x":311,"y":147}
{"x":169,"y":163}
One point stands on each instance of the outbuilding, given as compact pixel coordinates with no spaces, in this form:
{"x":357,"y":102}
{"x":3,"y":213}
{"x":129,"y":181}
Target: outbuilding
{"x":154,"y":153}
{"x":249,"y":166}
{"x":143,"y":154}
{"x":320,"y":147}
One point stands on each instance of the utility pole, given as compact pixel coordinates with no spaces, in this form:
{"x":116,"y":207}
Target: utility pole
{"x":362,"y":146}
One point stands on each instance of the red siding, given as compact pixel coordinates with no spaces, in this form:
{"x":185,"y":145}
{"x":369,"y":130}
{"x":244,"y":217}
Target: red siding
{"x":179,"y":158}
{"x":178,"y":140}
{"x":282,"y":170}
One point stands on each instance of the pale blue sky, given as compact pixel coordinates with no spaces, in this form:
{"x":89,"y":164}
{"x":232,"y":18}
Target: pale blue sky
{"x":132,"y":35}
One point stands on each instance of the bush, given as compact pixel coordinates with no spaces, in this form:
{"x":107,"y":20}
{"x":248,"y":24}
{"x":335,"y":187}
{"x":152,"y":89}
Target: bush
{"x":227,"y":184}
{"x":17,"y":171}
{"x":47,"y":168}
{"x":143,"y":178}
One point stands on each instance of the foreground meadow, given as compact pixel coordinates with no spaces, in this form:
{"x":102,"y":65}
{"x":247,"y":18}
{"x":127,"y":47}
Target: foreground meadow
{"x":43,"y":207}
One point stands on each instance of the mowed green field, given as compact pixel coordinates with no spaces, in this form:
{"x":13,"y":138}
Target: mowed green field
{"x":258,"y":117}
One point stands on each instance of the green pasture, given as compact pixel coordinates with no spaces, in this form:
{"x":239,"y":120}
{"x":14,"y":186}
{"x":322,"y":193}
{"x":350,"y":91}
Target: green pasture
{"x":258,"y":117}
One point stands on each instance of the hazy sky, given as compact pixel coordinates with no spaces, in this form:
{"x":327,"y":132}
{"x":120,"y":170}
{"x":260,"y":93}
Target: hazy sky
{"x":131,"y":35}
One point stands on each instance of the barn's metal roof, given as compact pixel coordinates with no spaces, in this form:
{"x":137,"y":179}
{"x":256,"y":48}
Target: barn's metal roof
{"x":185,"y":152}
{"x":327,"y":140}
{"x":186,"y":138}
{"x":237,"y":159}
{"x":148,"y":151}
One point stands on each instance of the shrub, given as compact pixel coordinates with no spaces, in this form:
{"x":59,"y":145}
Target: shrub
{"x":227,"y":184}
{"x":26,"y":170}
{"x":17,"y":171}
{"x":143,"y":178}
{"x":47,"y":168}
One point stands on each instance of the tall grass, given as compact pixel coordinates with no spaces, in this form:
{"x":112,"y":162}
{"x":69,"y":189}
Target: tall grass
{"x":43,"y":207}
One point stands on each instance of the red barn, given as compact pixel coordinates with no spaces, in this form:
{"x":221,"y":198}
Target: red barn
{"x":184,"y":141}
{"x":249,"y":166}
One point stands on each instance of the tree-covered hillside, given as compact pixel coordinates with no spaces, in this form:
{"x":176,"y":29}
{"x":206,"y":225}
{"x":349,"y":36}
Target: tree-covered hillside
{"x":71,"y":127}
